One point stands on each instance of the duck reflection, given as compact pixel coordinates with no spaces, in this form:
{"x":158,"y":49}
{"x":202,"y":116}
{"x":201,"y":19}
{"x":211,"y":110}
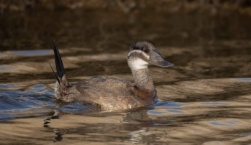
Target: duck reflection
{"x":91,"y":125}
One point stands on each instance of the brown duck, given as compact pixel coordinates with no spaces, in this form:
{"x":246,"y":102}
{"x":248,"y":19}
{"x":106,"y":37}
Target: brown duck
{"x":113,"y":94}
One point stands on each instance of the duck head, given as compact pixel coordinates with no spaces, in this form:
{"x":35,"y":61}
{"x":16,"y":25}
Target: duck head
{"x":141,"y":54}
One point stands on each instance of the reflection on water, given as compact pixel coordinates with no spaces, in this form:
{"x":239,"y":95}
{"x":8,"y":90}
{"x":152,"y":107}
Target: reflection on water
{"x":1,"y":55}
{"x":229,"y":122}
{"x":245,"y":79}
{"x":31,"y":53}
{"x":6,"y":68}
{"x":204,"y":120}
{"x":24,"y":101}
{"x":205,"y":99}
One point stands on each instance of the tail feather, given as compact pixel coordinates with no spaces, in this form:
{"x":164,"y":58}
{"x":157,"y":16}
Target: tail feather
{"x":61,"y":77}
{"x":62,"y":87}
{"x":59,"y":63}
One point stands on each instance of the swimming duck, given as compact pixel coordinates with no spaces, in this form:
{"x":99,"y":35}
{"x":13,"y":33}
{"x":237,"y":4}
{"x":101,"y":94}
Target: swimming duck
{"x":112,"y":94}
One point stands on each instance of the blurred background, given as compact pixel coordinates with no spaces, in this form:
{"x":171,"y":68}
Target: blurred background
{"x":33,"y":24}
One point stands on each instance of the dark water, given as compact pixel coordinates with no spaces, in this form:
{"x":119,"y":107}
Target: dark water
{"x":204,"y":99}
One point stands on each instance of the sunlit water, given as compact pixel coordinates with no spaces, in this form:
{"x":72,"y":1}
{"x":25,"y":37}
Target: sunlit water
{"x":204,"y":99}
{"x":209,"y":111}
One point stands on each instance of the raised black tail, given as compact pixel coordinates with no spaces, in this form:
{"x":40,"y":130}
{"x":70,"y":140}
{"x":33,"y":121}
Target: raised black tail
{"x":62,"y":86}
{"x":59,"y":64}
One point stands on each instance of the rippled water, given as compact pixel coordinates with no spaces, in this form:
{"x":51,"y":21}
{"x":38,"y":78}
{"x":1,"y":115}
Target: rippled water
{"x":204,"y":99}
{"x":206,"y":110}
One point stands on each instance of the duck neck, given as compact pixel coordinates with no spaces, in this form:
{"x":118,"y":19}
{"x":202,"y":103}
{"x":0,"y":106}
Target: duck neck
{"x":143,"y":79}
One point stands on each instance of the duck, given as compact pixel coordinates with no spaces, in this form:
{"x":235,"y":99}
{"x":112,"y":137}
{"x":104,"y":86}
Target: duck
{"x":114,"y":94}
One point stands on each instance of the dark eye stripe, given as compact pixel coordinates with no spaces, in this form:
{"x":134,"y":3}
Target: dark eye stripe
{"x":136,"y":48}
{"x":142,"y":48}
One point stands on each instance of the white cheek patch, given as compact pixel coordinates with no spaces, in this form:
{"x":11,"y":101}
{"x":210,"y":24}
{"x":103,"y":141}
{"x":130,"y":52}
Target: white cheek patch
{"x":138,"y":64}
{"x":139,"y":52}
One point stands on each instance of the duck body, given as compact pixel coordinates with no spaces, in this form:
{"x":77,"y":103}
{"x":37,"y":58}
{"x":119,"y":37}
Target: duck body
{"x":112,"y":94}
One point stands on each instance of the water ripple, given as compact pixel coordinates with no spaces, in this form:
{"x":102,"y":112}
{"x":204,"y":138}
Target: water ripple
{"x":17,"y":103}
{"x":31,"y":52}
{"x":228,"y":122}
{"x":6,"y":68}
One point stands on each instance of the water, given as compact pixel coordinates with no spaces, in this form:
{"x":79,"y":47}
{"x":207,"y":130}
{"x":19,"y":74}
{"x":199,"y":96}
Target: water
{"x":205,"y":99}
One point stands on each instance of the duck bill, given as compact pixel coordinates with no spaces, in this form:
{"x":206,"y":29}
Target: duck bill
{"x":162,"y":63}
{"x":157,"y":59}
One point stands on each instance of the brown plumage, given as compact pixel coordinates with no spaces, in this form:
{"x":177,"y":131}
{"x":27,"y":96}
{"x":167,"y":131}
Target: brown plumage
{"x":113,"y":94}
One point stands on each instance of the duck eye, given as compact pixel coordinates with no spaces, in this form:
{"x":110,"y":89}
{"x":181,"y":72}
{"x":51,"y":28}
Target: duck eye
{"x":144,"y":49}
{"x":136,"y":48}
